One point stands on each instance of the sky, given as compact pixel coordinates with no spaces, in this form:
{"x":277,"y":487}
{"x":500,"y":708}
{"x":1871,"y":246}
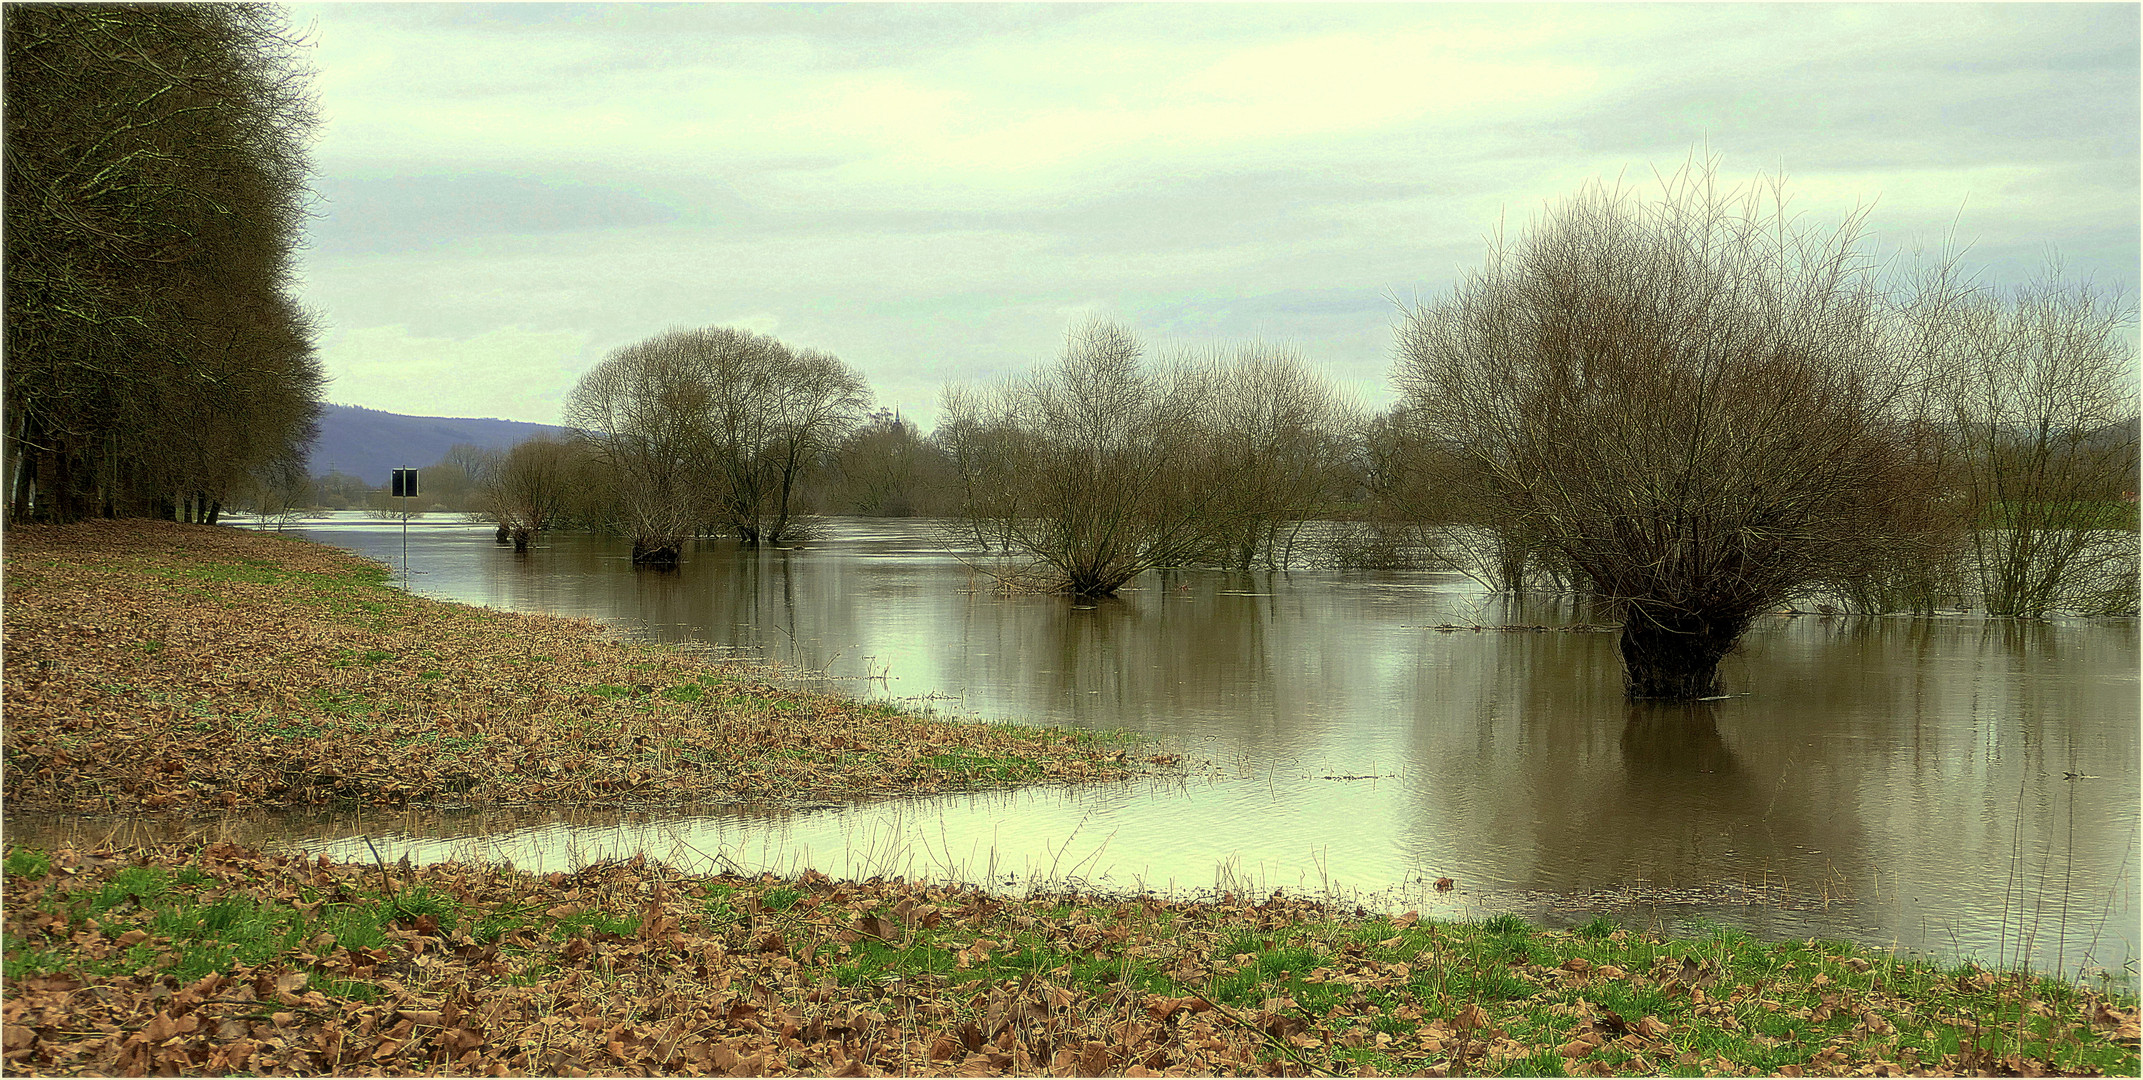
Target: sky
{"x":937,"y":193}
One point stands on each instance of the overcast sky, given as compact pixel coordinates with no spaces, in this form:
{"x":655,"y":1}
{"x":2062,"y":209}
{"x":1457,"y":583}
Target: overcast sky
{"x":935,"y":193}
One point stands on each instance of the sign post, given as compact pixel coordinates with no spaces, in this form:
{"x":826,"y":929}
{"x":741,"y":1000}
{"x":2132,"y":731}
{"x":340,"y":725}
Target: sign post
{"x":405,"y":487}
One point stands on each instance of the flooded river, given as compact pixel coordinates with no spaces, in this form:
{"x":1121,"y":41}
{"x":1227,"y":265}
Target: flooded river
{"x":1953,"y":786}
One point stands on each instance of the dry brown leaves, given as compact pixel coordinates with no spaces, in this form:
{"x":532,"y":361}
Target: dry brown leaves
{"x":633,"y":968}
{"x":157,"y":665}
{"x":755,"y":990}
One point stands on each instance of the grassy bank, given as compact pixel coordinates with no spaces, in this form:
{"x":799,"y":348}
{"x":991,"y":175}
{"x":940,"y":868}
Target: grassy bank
{"x":164,"y":666}
{"x":220,"y":959}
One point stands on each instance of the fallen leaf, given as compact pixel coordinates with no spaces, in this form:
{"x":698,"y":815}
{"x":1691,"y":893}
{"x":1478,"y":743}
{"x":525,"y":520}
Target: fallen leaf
{"x":1470,"y":1018}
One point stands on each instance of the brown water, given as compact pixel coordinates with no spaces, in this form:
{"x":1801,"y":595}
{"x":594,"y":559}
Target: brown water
{"x":1952,"y":786}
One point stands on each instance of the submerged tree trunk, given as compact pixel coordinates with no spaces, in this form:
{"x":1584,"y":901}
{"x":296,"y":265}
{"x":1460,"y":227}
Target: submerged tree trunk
{"x":1674,"y":655}
{"x":521,"y":536}
{"x":660,"y":553}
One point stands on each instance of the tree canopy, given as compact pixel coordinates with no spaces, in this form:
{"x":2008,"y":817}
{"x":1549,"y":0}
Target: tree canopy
{"x":156,"y":162}
{"x":1101,"y":466}
{"x":713,"y":428}
{"x":1684,"y":403}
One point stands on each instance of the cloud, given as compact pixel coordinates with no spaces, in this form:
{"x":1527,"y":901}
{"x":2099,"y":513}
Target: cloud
{"x":928,"y":190}
{"x":367,"y":214}
{"x":507,"y":373}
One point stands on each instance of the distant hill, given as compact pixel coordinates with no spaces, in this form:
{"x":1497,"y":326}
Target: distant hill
{"x":370,"y":444}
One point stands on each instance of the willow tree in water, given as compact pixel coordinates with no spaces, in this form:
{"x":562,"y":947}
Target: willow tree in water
{"x":1685,"y":400}
{"x":1101,"y":466}
{"x":2036,"y":388}
{"x":1077,"y":473}
{"x":776,"y":413}
{"x":712,"y":429}
{"x":1282,"y":444}
{"x":528,"y":489}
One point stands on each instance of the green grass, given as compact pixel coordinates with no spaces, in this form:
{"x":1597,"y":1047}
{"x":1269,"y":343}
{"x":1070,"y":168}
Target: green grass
{"x":1505,"y":925}
{"x":27,"y":862}
{"x":247,"y":571}
{"x":336,"y":702}
{"x":1369,"y":988}
{"x":982,"y":767}
{"x":290,"y":729}
{"x":193,"y":930}
{"x":1771,"y":990}
{"x":594,"y":923}
{"x":225,"y":932}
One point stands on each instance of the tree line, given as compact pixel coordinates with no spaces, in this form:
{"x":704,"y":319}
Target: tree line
{"x":1078,"y":479}
{"x":1878,"y":457}
{"x":1691,"y":409}
{"x":156,"y":164}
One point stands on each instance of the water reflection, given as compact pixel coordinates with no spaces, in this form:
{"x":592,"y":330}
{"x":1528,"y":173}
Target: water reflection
{"x":1895,"y":781}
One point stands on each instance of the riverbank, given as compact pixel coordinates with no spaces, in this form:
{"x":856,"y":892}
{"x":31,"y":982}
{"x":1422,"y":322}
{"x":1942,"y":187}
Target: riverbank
{"x":153,"y":665}
{"x":220,"y":959}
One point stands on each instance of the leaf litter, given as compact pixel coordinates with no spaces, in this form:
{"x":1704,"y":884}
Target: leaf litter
{"x":132,"y":961}
{"x":153,"y":665}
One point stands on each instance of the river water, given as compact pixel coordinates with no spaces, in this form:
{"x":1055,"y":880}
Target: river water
{"x":1952,"y":786}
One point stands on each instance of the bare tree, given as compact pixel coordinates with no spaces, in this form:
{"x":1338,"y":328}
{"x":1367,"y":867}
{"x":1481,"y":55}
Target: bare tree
{"x":156,"y":159}
{"x":643,"y":412}
{"x":776,"y":413}
{"x":2038,"y":384}
{"x":529,"y":489}
{"x":1091,"y":471}
{"x":472,"y":464}
{"x":713,"y":426}
{"x":1423,"y":509}
{"x":1279,"y":449}
{"x":1685,"y":399}
{"x":278,"y":490}
{"x":886,"y":468}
